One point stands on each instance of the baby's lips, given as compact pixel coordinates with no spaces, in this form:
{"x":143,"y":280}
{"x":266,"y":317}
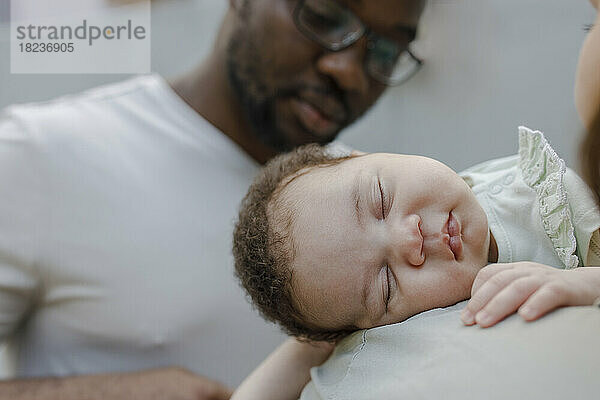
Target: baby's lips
{"x":453,"y":225}
{"x":456,"y":246}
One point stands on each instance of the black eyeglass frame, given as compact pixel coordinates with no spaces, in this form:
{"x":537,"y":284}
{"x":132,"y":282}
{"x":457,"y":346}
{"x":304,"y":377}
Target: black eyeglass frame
{"x":347,"y":42}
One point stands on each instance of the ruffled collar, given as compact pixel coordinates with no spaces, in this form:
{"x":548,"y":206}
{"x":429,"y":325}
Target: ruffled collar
{"x":544,"y":171}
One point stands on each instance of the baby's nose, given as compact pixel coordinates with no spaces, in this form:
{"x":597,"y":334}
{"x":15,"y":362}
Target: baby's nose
{"x":409,"y":240}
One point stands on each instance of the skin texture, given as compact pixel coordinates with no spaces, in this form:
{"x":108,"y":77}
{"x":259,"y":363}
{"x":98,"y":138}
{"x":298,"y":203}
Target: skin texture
{"x":269,"y":88}
{"x":400,"y":239}
{"x":533,"y":289}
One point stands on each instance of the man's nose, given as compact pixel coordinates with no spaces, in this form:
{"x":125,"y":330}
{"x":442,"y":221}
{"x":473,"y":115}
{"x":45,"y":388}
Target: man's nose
{"x":346,"y":67}
{"x":406,"y":240}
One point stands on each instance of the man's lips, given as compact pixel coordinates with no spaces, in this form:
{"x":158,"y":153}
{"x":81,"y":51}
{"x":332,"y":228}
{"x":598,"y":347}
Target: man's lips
{"x":452,"y":229}
{"x":313,"y":119}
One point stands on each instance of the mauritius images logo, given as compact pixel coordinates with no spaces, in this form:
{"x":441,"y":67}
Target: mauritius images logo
{"x":81,"y":38}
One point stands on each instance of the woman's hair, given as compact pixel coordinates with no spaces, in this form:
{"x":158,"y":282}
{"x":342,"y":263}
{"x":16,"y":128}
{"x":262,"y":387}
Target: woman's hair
{"x":590,"y":156}
{"x":262,"y":245}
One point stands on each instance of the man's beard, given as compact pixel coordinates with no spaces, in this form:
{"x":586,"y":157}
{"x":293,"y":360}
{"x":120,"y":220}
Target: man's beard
{"x":245,"y":80}
{"x":258,"y":101}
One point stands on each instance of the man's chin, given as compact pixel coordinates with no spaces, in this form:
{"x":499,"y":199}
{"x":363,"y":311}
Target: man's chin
{"x":305,"y":136}
{"x":318,"y":126}
{"x":289,"y":131}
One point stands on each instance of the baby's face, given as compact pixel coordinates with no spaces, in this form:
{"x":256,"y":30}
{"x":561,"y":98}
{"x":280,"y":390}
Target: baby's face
{"x":382,"y":237}
{"x":587,"y":88}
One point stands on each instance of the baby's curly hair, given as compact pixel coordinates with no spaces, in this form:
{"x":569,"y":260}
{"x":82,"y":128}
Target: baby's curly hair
{"x":263,"y":248}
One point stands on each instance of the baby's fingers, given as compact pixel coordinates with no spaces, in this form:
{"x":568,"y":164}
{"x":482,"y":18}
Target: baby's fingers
{"x":493,"y":283}
{"x":507,"y":301}
{"x":546,"y":299}
{"x":486,"y":273}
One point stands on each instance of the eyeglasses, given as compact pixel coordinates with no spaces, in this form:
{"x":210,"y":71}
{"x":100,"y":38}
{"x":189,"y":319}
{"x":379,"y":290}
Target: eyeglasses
{"x":336,"y":28}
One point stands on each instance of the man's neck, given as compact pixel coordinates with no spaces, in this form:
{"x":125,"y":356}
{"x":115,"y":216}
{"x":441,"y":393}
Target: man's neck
{"x":207,"y":91}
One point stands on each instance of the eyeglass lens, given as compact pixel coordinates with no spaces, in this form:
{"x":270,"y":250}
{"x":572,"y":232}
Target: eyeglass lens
{"x":335,"y":27}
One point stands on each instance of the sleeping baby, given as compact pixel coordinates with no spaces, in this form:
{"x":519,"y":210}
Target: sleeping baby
{"x":326,"y":245}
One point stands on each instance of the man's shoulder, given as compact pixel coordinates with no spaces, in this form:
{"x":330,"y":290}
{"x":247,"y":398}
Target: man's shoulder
{"x":97,"y":113}
{"x":83,"y":102}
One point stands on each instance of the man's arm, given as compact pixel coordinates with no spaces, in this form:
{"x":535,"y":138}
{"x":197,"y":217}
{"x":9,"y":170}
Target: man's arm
{"x":156,"y":384}
{"x":284,"y":373}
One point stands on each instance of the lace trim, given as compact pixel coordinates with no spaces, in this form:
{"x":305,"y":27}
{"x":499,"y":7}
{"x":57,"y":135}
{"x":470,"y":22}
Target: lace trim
{"x":543,"y":170}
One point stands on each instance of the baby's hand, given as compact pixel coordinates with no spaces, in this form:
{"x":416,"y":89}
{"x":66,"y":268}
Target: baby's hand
{"x":530,"y":288}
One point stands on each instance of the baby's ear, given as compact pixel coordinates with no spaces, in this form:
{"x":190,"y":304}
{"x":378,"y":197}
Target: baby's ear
{"x":357,"y":153}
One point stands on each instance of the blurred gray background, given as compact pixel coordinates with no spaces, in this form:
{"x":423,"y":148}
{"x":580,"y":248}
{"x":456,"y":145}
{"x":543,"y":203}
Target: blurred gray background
{"x":491,"y":65}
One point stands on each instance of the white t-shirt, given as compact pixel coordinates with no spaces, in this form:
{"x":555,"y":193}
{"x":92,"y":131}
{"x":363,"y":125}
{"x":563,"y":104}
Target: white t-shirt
{"x":116,"y":213}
